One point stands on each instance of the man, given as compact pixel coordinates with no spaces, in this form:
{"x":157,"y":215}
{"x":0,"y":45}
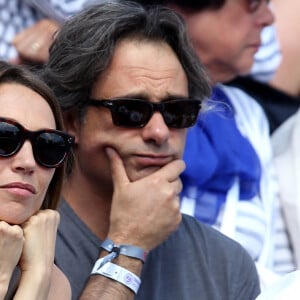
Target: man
{"x":230,"y":146}
{"x":121,"y":196}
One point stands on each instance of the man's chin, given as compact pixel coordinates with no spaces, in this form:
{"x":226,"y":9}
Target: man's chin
{"x":139,"y":174}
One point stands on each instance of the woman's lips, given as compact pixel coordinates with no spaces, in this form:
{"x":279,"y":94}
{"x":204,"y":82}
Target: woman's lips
{"x":19,"y":188}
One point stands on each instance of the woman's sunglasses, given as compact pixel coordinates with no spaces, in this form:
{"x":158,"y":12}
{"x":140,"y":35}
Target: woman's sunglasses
{"x":50,"y":147}
{"x":136,"y":113}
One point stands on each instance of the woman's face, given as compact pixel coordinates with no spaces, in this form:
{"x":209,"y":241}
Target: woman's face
{"x":23,"y":182}
{"x":227,"y":39}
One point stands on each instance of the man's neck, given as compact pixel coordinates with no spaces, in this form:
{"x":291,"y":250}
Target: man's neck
{"x":90,"y":202}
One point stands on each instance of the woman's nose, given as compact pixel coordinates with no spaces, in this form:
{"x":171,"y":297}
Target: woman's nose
{"x":24,"y":160}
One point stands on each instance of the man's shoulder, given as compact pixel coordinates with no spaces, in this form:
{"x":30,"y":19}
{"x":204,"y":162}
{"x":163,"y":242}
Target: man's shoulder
{"x":197,"y":253}
{"x":207,"y":244}
{"x":207,"y":234}
{"x":214,"y":247}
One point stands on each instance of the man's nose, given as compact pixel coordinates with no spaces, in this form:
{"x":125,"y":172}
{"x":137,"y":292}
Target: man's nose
{"x":156,"y":130}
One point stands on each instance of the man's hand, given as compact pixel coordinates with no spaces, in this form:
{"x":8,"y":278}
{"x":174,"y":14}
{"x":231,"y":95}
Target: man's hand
{"x":33,"y":43}
{"x":146,"y":211}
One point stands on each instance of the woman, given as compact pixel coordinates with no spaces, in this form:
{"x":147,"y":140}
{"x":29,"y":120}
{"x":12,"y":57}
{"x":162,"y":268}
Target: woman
{"x":32,"y":150}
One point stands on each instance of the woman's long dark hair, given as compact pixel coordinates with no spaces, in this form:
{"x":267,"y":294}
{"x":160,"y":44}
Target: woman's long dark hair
{"x":21,"y":75}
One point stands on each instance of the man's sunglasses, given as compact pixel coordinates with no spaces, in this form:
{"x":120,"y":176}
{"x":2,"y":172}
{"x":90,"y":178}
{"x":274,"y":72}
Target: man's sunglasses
{"x":136,"y":113}
{"x":50,"y":147}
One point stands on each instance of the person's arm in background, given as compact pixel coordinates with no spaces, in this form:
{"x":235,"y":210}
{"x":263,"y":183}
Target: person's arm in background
{"x":34,"y":42}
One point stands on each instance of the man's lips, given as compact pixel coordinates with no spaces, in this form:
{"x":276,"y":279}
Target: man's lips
{"x":150,"y":160}
{"x":19,"y":186}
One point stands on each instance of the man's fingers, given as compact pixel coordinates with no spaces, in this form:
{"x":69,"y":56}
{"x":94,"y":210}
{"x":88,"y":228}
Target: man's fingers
{"x":172,"y":170}
{"x":118,"y":171}
{"x":16,"y":61}
{"x":178,"y":186}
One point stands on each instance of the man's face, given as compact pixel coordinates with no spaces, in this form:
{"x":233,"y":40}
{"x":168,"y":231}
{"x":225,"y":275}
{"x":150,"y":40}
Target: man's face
{"x":227,"y":39}
{"x":143,"y":70}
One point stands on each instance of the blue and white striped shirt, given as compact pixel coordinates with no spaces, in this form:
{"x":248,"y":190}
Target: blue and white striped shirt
{"x":256,"y":224}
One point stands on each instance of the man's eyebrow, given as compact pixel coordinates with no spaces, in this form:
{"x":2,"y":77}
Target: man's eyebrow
{"x":147,"y":97}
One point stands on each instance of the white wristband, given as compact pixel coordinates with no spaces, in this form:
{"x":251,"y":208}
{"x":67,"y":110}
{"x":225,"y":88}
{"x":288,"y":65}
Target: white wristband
{"x":119,"y":274}
{"x":102,"y":261}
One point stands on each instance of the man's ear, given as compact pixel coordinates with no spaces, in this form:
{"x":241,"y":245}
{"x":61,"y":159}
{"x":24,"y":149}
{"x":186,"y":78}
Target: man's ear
{"x":72,"y":124}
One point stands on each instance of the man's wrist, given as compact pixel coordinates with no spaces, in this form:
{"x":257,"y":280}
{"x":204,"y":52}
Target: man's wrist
{"x":128,"y":261}
{"x":124,"y":249}
{"x":119,"y":274}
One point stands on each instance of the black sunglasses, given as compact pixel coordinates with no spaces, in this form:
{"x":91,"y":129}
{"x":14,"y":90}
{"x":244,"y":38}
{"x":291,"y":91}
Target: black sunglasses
{"x":136,"y":113}
{"x":50,"y":147}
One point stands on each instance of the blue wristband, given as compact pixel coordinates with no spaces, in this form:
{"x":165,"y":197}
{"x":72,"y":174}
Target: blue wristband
{"x":127,"y":250}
